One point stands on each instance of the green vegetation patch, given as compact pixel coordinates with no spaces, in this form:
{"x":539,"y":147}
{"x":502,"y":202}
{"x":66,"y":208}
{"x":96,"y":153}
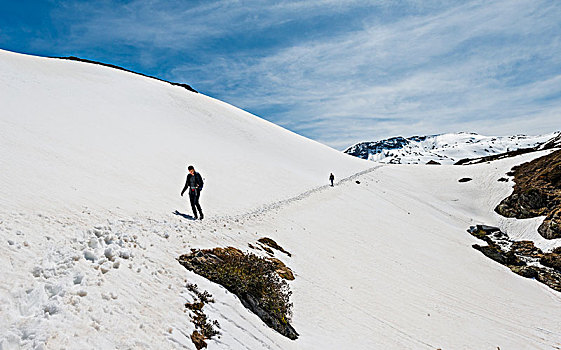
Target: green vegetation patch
{"x":253,"y":279}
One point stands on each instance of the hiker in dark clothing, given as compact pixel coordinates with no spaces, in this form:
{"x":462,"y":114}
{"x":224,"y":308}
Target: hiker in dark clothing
{"x":331,"y":178}
{"x":195,"y":184}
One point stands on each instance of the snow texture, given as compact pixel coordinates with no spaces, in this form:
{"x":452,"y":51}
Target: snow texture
{"x":94,"y":160}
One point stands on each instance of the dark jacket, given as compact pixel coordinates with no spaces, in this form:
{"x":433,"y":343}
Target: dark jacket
{"x":198,"y":182}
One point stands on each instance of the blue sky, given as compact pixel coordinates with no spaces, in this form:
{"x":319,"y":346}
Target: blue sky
{"x":338,"y":72}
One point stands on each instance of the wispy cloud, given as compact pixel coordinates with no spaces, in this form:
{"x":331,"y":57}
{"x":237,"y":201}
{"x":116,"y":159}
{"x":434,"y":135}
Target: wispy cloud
{"x":476,"y":67}
{"x":340,"y":72}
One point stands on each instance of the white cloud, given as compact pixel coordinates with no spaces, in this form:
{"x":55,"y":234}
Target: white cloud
{"x":428,"y":74}
{"x":399,"y":69}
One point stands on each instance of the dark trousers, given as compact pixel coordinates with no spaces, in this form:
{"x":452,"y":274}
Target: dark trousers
{"x":194,"y":198}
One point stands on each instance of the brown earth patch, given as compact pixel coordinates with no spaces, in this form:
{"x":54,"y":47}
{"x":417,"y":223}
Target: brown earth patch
{"x":272,"y":244}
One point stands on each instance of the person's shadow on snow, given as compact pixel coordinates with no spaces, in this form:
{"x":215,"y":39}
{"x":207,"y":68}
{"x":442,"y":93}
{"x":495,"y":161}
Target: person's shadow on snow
{"x":186,"y":216}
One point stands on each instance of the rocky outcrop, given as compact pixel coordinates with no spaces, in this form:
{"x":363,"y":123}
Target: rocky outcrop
{"x":271,"y":243}
{"x":537,"y":192}
{"x":204,"y":328}
{"x":281,"y":269}
{"x":364,"y":149}
{"x":552,"y":260}
{"x":551,"y":226}
{"x":521,"y":257}
{"x":256,"y":281}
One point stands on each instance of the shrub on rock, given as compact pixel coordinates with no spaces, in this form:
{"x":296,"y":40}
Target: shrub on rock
{"x":253,"y":279}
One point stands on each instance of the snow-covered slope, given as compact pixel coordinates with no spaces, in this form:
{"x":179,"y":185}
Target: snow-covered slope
{"x":94,"y":160}
{"x":77,"y":135}
{"x":443,"y":148}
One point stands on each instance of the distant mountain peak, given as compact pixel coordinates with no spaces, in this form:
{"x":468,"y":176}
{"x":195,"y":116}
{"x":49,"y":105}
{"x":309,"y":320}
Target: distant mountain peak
{"x":445,"y":148}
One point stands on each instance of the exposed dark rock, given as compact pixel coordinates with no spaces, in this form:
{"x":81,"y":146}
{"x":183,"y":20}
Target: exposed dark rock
{"x":521,"y":257}
{"x":283,"y":328}
{"x":433,"y":162}
{"x":537,"y":192}
{"x":204,"y":329}
{"x":255,"y":280}
{"x":551,"y":260}
{"x":551,"y":279}
{"x":281,"y":269}
{"x":267,"y":250}
{"x":198,"y":339}
{"x":364,"y":149}
{"x":465,"y":179}
{"x":495,"y":253}
{"x":271,"y":243}
{"x":526,"y":248}
{"x":525,"y":271}
{"x":551,"y":226}
{"x":524,"y":205}
{"x":483,"y":232}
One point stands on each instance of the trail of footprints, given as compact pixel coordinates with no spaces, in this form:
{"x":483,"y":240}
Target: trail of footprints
{"x":70,"y":270}
{"x":66,"y":273}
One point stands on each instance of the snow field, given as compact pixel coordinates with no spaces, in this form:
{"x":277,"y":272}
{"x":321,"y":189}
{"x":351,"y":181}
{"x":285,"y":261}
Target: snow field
{"x":96,"y":160}
{"x":384,"y":263}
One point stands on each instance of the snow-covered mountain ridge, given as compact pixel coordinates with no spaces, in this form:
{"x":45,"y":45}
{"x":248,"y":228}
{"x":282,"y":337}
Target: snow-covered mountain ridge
{"x":443,"y":148}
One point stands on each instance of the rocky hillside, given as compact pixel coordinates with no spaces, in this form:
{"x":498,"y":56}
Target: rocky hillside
{"x":537,"y":193}
{"x":446,"y":148}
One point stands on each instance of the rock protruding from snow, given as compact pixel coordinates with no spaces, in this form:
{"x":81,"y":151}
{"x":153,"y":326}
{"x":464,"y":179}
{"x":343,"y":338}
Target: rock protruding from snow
{"x":537,"y":193}
{"x":446,"y":148}
{"x":255,"y":280}
{"x":521,"y":257}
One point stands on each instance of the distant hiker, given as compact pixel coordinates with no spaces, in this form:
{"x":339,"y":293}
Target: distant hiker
{"x":331,"y":178}
{"x":195,"y":184}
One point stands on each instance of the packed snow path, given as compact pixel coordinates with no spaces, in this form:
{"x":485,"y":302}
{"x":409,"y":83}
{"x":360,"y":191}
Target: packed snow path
{"x":285,"y":202}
